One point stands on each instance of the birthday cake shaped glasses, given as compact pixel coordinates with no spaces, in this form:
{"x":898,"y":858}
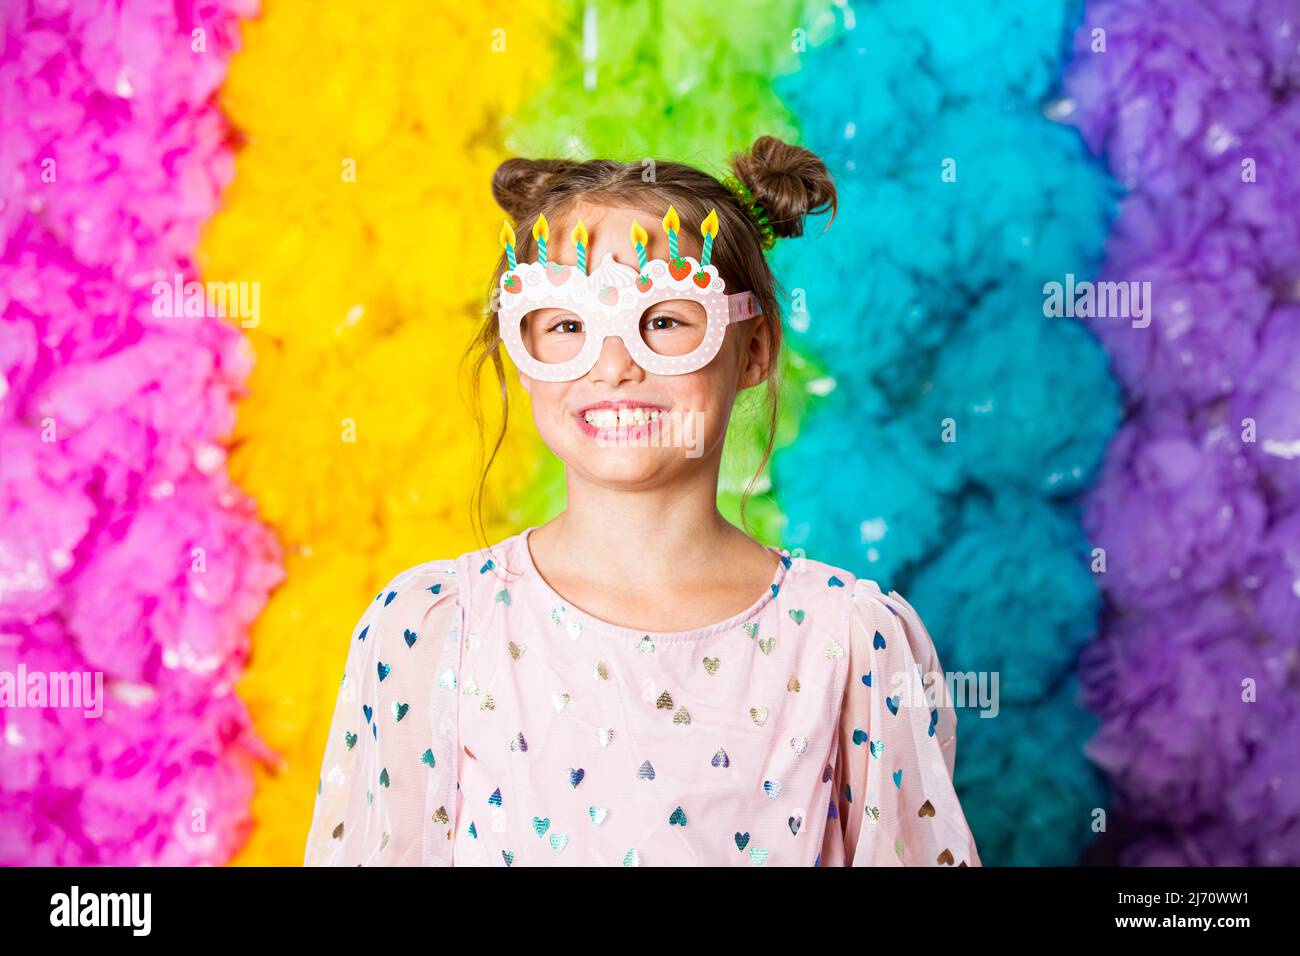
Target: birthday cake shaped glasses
{"x":671,"y":314}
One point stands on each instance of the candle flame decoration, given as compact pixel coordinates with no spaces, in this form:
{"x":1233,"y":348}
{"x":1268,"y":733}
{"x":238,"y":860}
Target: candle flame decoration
{"x":671,"y":222}
{"x":710,"y":225}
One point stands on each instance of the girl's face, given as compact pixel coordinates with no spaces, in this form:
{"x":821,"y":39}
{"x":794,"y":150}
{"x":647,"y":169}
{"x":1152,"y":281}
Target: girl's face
{"x":620,"y":425}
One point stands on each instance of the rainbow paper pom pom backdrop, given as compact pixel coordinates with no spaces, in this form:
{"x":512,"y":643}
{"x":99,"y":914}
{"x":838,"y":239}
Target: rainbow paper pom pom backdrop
{"x":1100,"y":513}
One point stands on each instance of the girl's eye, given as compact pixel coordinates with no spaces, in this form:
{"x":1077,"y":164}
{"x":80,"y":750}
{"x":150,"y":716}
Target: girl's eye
{"x":661,"y":323}
{"x":567,"y":326}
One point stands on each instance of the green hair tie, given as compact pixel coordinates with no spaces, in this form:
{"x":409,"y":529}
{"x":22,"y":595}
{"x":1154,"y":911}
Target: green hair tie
{"x":755,"y":210}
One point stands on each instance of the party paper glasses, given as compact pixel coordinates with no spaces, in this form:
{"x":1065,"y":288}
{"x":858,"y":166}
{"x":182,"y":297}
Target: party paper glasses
{"x":671,"y":315}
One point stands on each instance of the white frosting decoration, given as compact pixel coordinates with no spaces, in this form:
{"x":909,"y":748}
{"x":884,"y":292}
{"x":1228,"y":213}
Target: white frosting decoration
{"x":611,"y":274}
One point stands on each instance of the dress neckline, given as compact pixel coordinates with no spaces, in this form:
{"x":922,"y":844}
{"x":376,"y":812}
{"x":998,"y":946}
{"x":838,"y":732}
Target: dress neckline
{"x":615,"y":630}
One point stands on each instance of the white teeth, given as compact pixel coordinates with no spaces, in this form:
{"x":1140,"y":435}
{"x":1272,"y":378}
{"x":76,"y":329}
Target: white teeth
{"x":620,"y":417}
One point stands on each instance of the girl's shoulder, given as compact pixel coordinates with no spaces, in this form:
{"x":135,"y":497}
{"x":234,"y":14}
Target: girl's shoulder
{"x":445,"y":579}
{"x":862,"y":599}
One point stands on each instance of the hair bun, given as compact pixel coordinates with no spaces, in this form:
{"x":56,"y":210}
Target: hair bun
{"x":519,"y":184}
{"x":788,"y":181}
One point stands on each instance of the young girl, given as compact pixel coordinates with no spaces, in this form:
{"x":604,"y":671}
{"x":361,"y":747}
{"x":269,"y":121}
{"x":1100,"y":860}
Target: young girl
{"x":637,"y":682}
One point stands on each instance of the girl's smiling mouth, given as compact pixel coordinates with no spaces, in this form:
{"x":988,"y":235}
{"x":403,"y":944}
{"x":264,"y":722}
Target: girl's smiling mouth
{"x":624,"y":419}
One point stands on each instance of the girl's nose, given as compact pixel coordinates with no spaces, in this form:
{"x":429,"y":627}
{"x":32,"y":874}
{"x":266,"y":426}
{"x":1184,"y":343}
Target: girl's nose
{"x":615,"y":363}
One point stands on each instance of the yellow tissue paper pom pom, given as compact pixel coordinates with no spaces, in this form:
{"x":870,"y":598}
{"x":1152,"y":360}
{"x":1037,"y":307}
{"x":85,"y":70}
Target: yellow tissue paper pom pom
{"x":361,"y":207}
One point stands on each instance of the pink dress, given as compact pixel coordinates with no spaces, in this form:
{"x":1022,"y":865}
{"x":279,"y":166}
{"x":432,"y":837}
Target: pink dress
{"x":483,"y":721}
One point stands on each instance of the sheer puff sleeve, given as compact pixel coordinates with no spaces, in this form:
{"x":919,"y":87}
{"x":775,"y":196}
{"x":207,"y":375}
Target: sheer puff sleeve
{"x":387,"y":788}
{"x":898,"y":744}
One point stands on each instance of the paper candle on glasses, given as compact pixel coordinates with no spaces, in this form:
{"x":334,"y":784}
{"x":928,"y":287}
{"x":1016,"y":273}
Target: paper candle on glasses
{"x":639,"y":238}
{"x":508,"y":240}
{"x":671,"y":225}
{"x":708,"y":229}
{"x":541,"y":232}
{"x":579,"y":237}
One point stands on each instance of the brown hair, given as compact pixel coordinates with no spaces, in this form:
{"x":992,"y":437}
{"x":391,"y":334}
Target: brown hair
{"x":788,"y":181}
